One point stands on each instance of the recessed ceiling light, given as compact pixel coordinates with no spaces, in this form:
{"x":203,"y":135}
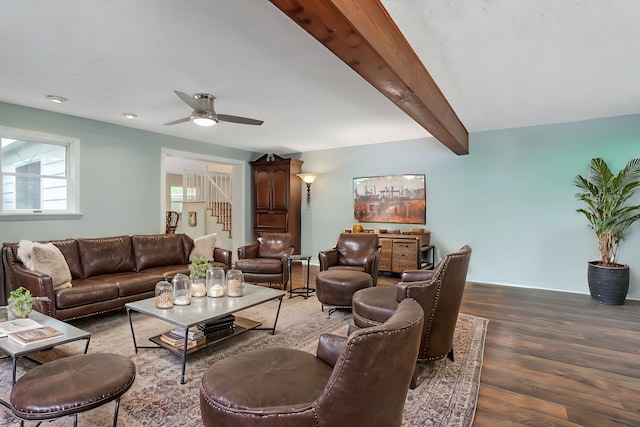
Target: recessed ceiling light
{"x":56,"y":99}
{"x":130,"y":115}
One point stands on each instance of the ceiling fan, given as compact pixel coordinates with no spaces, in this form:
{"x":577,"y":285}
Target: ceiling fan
{"x":204,"y":114}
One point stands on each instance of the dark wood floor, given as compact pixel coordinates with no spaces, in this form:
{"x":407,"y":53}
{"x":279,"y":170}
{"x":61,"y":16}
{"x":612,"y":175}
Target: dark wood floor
{"x":553,"y":358}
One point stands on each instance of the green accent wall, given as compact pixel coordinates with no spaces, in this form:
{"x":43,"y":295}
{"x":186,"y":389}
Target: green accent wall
{"x":511,"y":198}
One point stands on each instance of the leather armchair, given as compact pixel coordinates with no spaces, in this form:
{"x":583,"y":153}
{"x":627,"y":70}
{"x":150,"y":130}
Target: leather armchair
{"x":354,"y":251}
{"x":267,"y":260}
{"x":359,"y":380}
{"x":438,"y":291}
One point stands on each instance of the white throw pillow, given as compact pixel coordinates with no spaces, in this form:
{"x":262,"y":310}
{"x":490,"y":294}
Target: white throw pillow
{"x":203,"y":247}
{"x":46,"y":258}
{"x":24,"y":253}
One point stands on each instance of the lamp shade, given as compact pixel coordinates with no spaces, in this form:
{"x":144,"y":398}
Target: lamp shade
{"x":308,"y":178}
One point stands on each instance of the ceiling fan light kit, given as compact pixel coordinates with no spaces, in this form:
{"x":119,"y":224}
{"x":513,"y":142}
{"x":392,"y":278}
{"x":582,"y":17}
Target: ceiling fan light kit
{"x":202,"y":118}
{"x":204,"y":114}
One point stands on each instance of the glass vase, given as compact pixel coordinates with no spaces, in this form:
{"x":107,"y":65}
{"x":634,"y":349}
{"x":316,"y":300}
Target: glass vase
{"x":198,"y":288}
{"x":215,"y":282}
{"x":164,"y":294}
{"x":234,"y":283}
{"x":181,"y":289}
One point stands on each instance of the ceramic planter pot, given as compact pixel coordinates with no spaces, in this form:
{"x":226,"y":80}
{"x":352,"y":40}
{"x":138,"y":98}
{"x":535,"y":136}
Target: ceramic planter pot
{"x":608,"y":285}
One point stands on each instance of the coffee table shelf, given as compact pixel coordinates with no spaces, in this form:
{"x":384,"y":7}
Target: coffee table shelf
{"x":241,"y":325}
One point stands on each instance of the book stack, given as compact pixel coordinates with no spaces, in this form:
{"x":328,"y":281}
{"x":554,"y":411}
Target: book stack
{"x":175,"y":338}
{"x":27,"y":331}
{"x":34,"y":335}
{"x":218,"y":328}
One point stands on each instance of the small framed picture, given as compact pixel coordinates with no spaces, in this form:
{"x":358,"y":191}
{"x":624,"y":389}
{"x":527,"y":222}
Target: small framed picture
{"x":193,"y":219}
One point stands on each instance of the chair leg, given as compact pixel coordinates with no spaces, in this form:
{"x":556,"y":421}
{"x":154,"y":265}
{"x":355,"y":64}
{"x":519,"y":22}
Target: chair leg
{"x":115,"y":413}
{"x":414,"y":379}
{"x":450,"y":354}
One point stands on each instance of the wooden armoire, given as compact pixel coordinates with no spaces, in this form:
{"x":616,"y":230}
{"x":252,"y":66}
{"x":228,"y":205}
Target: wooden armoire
{"x":277,"y":196}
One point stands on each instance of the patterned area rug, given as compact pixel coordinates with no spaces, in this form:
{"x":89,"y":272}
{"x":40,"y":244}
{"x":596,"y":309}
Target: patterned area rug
{"x":446,"y":395}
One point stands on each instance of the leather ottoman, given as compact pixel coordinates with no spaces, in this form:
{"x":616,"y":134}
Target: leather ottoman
{"x":374,"y":306}
{"x":336,"y":287}
{"x":72,"y":385}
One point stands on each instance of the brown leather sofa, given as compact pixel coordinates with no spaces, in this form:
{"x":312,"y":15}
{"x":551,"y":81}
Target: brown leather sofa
{"x":354,"y":251}
{"x":360,"y":380}
{"x":106,"y":272}
{"x":267,"y":260}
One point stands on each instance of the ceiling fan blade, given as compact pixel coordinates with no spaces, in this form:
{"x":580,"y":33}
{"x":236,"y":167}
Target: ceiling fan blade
{"x":187,"y":99}
{"x":241,"y":120}
{"x":175,"y":122}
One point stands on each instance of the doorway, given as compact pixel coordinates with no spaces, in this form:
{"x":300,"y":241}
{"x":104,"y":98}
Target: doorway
{"x":175,"y":162}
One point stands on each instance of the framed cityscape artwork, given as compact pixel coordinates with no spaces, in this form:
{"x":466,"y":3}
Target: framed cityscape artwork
{"x":390,"y":198}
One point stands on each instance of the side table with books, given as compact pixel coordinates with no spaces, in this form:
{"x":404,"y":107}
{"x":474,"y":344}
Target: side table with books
{"x":23,"y":337}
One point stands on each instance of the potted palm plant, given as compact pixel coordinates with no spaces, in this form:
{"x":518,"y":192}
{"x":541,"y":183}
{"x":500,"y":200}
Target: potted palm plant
{"x":606,"y":198}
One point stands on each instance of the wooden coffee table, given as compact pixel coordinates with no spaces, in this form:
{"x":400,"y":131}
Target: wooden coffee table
{"x":69,"y":333}
{"x":203,"y":310}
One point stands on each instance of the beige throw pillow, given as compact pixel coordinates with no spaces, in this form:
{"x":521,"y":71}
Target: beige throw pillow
{"x":46,"y":258}
{"x":24,"y":253}
{"x":203,"y":247}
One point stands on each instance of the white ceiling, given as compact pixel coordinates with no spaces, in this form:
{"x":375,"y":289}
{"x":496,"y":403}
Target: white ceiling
{"x":500,"y":63}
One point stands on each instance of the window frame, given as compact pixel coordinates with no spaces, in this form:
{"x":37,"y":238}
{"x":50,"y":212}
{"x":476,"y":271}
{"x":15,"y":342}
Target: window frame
{"x":72,"y":172}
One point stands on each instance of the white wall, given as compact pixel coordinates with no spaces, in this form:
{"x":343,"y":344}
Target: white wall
{"x":511,"y":199}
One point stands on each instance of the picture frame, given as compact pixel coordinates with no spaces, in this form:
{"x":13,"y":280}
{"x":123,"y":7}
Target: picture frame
{"x":193,"y":219}
{"x":400,"y":199}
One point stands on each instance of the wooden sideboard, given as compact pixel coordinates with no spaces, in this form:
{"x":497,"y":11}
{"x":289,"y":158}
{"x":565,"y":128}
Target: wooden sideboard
{"x":402,"y":252}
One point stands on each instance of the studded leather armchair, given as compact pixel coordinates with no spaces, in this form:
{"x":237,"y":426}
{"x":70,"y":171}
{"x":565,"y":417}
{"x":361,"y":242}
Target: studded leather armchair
{"x":267,"y":260}
{"x":359,"y":380}
{"x":438,"y":291}
{"x":354,"y":251}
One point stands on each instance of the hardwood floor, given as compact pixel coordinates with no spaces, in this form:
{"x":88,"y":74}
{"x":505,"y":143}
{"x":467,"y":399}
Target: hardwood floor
{"x":552,"y":358}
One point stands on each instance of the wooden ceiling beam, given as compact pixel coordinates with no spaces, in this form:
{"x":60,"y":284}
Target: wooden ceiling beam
{"x":362,"y":34}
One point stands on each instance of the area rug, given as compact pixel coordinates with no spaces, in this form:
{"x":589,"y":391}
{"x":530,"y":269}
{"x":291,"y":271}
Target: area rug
{"x":446,"y":395}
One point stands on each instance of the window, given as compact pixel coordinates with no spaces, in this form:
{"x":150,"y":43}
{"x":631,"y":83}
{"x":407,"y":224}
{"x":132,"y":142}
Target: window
{"x":177,"y":198}
{"x":38,"y":173}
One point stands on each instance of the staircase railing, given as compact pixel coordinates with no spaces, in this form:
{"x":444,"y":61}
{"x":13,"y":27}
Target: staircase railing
{"x":212,"y":188}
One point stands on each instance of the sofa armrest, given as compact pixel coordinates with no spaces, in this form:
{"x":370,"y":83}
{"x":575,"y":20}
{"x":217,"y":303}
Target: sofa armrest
{"x":371,"y":265}
{"x":409,"y":281}
{"x":248,"y":251}
{"x":417,"y":275}
{"x":328,"y":258}
{"x":330,"y":348}
{"x":285,"y":264}
{"x":39,"y":284}
{"x":223,"y":256}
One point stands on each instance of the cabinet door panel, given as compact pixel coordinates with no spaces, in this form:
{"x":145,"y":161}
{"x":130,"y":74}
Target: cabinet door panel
{"x":263,"y":189}
{"x":272,"y":220}
{"x":280,"y":193}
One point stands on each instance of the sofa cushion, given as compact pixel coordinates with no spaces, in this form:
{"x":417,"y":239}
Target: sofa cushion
{"x":168,"y":271}
{"x":69,"y":249}
{"x":45,"y":258}
{"x":130,"y":283}
{"x":203,"y":247}
{"x":106,"y":255}
{"x":158,"y":250}
{"x":260,"y":265}
{"x":85,"y":291}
